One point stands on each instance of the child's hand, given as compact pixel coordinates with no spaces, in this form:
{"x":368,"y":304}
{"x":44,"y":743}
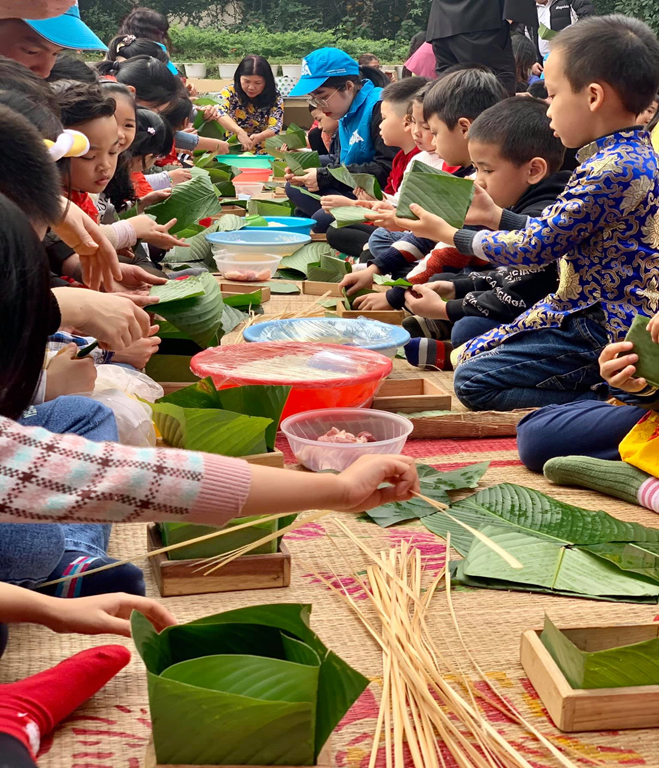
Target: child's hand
{"x":308,"y":180}
{"x":362,"y":194}
{"x":157,"y":196}
{"x":211,"y":113}
{"x":483,"y":212}
{"x":427,"y":304}
{"x":358,"y":486}
{"x":179,"y":175}
{"x":335,"y":201}
{"x":139,"y":353}
{"x":428,"y":225}
{"x":156,"y":234}
{"x":384,"y":217}
{"x":617,"y":367}
{"x":68,"y":376}
{"x":221,"y":148}
{"x":356,"y":281}
{"x":372,"y":301}
{"x":444,"y":288}
{"x":653,"y":328}
{"x":102,"y":614}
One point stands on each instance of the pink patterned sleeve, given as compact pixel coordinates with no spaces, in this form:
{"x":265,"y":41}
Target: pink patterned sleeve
{"x":54,"y":478}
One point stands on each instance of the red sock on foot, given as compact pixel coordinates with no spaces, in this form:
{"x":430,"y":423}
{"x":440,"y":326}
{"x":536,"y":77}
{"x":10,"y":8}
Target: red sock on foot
{"x":31,"y":708}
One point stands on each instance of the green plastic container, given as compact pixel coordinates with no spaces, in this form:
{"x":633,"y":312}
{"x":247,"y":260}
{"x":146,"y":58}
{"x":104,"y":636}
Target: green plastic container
{"x":175,"y":533}
{"x":255,"y":161}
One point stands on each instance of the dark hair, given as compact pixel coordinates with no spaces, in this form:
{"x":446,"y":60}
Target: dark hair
{"x":112,"y":87}
{"x":153,"y":82}
{"x":16,"y":77}
{"x":402,"y":92}
{"x":256,"y":66}
{"x":47,"y":123}
{"x":340,"y":81}
{"x":178,"y":112}
{"x":25,"y":307}
{"x":129,"y":46}
{"x":466,"y":93}
{"x":376,"y":76}
{"x":145,"y":22}
{"x":80,"y":103}
{"x":519,"y":127}
{"x":70,"y":67}
{"x":526,"y":56}
{"x":538,"y":89}
{"x":29,"y":177}
{"x":366,"y":59}
{"x":153,"y":136}
{"x":617,"y":50}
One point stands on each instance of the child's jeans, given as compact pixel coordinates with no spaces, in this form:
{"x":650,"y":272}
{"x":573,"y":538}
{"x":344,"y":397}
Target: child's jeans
{"x":469,"y":327}
{"x":548,"y":366}
{"x":381,"y":240}
{"x":30,"y":552}
{"x":582,"y":428}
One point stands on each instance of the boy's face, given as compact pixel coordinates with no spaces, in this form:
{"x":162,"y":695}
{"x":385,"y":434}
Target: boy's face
{"x":92,"y":173}
{"x":504,"y":182}
{"x":571,"y":113}
{"x":451,"y":145}
{"x":421,"y":132}
{"x":394,"y":129}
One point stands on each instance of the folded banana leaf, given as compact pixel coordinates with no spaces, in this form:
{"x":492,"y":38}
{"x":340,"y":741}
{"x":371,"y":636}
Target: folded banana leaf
{"x":299,"y":261}
{"x":254,"y":686}
{"x":306,"y":192}
{"x":647,"y":366}
{"x":328,"y":270}
{"x":349,"y":300}
{"x":177,"y":533}
{"x":347,"y":215}
{"x":544,"y":33}
{"x":244,"y":300}
{"x":189,"y":202}
{"x":299,"y":162}
{"x":634,"y":664}
{"x":294,"y":138}
{"x":365,"y":181}
{"x":437,"y":192}
{"x":232,"y":318}
{"x":270,"y":208}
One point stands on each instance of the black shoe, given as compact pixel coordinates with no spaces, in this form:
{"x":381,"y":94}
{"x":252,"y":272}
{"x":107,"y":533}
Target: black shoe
{"x":420,"y":327}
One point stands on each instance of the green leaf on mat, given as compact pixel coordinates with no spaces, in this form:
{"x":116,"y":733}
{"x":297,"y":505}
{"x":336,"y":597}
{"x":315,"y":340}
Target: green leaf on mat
{"x":347,"y":215}
{"x":614,"y":667}
{"x":647,"y":366}
{"x":444,"y":195}
{"x":199,"y":317}
{"x":637,"y":557}
{"x":279,"y":287}
{"x":189,"y":202}
{"x":308,"y":254}
{"x":232,"y":318}
{"x":328,"y":270}
{"x":290,"y":274}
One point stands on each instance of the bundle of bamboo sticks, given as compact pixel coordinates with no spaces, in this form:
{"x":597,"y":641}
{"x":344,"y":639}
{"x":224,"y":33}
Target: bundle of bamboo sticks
{"x":429,"y":707}
{"x":313,"y":310}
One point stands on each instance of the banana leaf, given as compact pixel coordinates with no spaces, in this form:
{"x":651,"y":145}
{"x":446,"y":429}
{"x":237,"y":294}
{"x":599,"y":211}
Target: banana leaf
{"x":230,"y":223}
{"x":633,"y":664}
{"x":255,"y":221}
{"x":434,"y":484}
{"x":251,"y":686}
{"x":365,"y":181}
{"x":328,"y":270}
{"x":243,"y":300}
{"x":647,"y":366}
{"x":200,"y":249}
{"x":384,"y":280}
{"x":294,"y":138}
{"x":544,"y":33}
{"x":347,"y":215}
{"x":280,"y":287}
{"x":232,"y":318}
{"x":189,"y":202}
{"x":306,"y":192}
{"x":438,"y":192}
{"x":200,"y":317}
{"x":299,"y":162}
{"x":278,"y":169}
{"x":642,"y":558}
{"x":170,"y":368}
{"x":225,"y":189}
{"x":176,"y":533}
{"x":177,"y":290}
{"x":311,"y":253}
{"x":265,"y":401}
{"x":552,"y":566}
{"x":210,"y":430}
{"x":211,"y":129}
{"x":348,"y":301}
{"x":270,"y":208}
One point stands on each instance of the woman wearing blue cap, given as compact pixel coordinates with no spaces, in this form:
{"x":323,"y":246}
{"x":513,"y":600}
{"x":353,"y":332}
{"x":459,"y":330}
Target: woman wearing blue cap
{"x":333,"y":82}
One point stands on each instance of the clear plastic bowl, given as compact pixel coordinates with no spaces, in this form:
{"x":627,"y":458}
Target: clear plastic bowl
{"x":303,"y":430}
{"x":320,"y":375}
{"x":250,"y":188}
{"x":247,"y":269}
{"x":251,"y":242}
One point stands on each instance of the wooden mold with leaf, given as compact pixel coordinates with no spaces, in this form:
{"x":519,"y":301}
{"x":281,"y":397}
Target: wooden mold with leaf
{"x":442,"y":194}
{"x":595,"y":678}
{"x":410,"y":395}
{"x":345,"y":309}
{"x":254,"y":686}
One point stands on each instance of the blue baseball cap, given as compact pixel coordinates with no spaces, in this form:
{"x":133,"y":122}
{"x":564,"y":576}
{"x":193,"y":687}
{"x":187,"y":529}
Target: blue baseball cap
{"x":68,"y":31}
{"x":322,"y":64}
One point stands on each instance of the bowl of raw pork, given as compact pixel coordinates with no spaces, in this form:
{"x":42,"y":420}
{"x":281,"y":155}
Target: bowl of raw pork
{"x":253,"y":256}
{"x":335,"y":438}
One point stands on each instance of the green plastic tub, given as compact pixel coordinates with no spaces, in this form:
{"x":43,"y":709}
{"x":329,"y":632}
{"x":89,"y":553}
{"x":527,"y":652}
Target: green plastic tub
{"x":255,"y":161}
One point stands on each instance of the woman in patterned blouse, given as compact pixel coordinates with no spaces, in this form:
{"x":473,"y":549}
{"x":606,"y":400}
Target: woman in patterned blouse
{"x":252,"y":107}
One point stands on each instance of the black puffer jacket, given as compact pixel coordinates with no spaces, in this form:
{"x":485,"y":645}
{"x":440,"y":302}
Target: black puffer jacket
{"x":563,"y":14}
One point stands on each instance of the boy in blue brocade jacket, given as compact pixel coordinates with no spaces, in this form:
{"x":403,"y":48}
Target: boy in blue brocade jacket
{"x":603,"y":230}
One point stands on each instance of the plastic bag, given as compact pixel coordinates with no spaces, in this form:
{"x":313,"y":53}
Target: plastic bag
{"x":127,"y":380}
{"x":133,"y":417}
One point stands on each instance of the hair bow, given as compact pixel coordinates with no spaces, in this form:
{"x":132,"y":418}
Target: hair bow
{"x":69,"y":144}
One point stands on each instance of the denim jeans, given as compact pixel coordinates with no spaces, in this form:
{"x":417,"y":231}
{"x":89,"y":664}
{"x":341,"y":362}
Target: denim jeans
{"x":582,"y":428}
{"x":381,"y":240}
{"x":312,"y":208}
{"x":467,"y":328}
{"x":30,"y":552}
{"x":548,"y":366}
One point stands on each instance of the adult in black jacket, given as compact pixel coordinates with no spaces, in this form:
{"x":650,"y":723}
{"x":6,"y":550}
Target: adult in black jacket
{"x":478,"y":31}
{"x":558,"y":15}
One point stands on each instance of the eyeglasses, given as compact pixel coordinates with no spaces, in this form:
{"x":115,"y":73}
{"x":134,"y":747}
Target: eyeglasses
{"x":324,"y":103}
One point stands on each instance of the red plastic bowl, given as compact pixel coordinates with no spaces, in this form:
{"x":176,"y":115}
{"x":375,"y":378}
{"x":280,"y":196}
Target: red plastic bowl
{"x":253,"y":176}
{"x":362,"y":372}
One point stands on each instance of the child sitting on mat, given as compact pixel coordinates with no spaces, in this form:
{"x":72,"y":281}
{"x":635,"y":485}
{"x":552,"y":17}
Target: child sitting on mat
{"x":603,"y":230}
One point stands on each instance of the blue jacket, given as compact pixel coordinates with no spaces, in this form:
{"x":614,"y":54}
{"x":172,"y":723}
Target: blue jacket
{"x":355,"y":127}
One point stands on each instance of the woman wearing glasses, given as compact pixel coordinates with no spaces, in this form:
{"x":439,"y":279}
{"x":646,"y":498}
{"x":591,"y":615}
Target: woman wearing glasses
{"x":251,"y":106}
{"x":333,"y":81}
